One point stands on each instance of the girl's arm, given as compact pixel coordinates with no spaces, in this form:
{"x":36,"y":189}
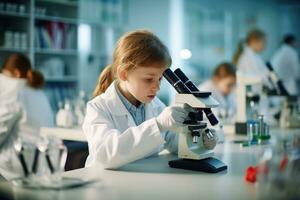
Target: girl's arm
{"x":113,"y":149}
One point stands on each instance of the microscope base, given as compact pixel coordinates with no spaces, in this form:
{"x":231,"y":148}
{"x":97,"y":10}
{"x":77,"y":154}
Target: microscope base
{"x":210,"y":165}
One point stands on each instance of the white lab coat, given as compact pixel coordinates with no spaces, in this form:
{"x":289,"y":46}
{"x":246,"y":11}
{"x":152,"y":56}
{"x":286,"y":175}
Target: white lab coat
{"x":19,"y":100}
{"x":10,"y":114}
{"x":227,"y":104}
{"x":113,"y":137}
{"x":37,"y":111}
{"x":252,"y":65}
{"x":286,"y":64}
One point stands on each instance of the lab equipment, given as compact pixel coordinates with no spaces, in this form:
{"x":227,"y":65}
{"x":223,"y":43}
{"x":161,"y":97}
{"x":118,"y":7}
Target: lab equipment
{"x":278,"y":174}
{"x":196,"y":140}
{"x":41,"y":161}
{"x":65,"y":117}
{"x":80,"y":107}
{"x":263,"y":130}
{"x":278,"y":85}
{"x":248,"y":99}
{"x":257,"y":132}
{"x":290,"y":114}
{"x":252,"y":131}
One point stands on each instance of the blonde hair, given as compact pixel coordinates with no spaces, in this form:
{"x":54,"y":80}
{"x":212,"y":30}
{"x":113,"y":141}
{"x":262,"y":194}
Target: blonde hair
{"x":254,"y":34}
{"x":137,"y":48}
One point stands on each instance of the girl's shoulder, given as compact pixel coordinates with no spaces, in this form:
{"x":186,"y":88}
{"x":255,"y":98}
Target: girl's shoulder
{"x":97,"y":102}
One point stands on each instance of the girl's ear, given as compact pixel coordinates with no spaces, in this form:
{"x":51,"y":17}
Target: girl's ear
{"x":123,"y":75}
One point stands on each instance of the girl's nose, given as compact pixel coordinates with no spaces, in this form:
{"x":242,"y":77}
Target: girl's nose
{"x":156,"y":85}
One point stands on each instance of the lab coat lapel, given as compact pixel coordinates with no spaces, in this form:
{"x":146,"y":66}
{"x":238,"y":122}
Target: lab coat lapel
{"x":121,"y":115}
{"x":151,"y":110}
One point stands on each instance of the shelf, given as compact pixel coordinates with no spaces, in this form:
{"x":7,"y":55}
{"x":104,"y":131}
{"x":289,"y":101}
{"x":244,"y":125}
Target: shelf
{"x":14,"y":14}
{"x":61,"y":2}
{"x":13,"y":49}
{"x":62,"y":79}
{"x":58,"y":19}
{"x":67,"y":52}
{"x":99,"y":24}
{"x":76,"y":21}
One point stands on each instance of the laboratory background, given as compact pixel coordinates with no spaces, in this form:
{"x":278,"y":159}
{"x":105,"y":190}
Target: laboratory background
{"x":242,"y":54}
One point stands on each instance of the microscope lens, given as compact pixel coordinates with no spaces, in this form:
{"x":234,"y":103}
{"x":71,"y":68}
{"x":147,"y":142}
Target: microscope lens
{"x":186,"y":80}
{"x":176,"y":82}
{"x":189,"y":84}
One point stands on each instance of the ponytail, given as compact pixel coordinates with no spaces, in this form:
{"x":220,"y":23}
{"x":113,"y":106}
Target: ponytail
{"x":35,"y":79}
{"x":252,"y":35}
{"x":105,"y":79}
{"x":238,"y":52}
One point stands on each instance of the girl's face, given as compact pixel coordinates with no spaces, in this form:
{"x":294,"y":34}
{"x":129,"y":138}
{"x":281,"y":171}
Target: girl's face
{"x":258,"y":45}
{"x":141,"y":84}
{"x":226,"y":85}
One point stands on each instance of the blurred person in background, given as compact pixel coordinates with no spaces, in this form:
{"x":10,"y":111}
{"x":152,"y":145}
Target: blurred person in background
{"x":10,"y":115}
{"x":247,"y":58}
{"x":285,"y":62}
{"x":222,"y":84}
{"x":20,"y":83}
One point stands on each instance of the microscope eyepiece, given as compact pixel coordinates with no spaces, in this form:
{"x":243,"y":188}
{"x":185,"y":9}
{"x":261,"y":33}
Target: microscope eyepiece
{"x":186,"y":80}
{"x":173,"y":79}
{"x":191,"y":86}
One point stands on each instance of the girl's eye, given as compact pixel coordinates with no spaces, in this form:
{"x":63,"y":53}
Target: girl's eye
{"x":148,"y":79}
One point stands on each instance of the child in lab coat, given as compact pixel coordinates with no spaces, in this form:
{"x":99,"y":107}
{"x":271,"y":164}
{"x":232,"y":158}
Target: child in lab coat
{"x":20,"y":83}
{"x":248,"y":60}
{"x":286,"y":63}
{"x":222,"y":87}
{"x":125,"y":121}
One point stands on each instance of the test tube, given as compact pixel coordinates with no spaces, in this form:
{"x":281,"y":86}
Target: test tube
{"x":261,"y":125}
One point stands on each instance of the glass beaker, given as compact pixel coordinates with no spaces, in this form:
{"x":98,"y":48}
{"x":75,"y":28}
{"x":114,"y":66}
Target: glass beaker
{"x":252,"y":130}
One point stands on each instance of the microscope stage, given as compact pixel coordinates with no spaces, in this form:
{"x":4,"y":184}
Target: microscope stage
{"x":209,"y":165}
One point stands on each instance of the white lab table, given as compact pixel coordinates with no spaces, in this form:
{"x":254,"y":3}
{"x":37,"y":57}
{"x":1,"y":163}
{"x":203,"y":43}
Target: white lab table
{"x":152,"y":178}
{"x":73,"y":134}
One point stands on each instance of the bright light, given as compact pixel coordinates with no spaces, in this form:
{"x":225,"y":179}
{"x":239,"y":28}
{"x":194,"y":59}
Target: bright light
{"x":185,"y":54}
{"x":84,"y":43}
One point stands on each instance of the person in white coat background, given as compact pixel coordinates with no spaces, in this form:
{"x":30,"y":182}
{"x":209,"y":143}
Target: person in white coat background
{"x":285,"y":62}
{"x":222,"y":84}
{"x":247,"y":59}
{"x":10,"y":114}
{"x":125,"y":121}
{"x":20,"y":83}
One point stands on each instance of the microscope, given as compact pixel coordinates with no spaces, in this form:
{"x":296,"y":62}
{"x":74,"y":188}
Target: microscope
{"x":196,"y":140}
{"x":290,"y":113}
{"x":248,"y":92}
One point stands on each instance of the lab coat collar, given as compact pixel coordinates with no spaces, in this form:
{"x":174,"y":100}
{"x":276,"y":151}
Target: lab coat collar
{"x":117,"y":107}
{"x":250,"y":51}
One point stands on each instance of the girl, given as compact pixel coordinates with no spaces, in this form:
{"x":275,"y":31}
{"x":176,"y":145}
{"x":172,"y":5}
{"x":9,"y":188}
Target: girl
{"x":24,"y":108}
{"x":18,"y":82}
{"x":125,"y":121}
{"x":247,"y":59}
{"x":222,"y":85}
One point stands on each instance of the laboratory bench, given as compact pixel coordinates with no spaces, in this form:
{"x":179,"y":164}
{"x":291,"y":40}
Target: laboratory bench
{"x":152,"y":178}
